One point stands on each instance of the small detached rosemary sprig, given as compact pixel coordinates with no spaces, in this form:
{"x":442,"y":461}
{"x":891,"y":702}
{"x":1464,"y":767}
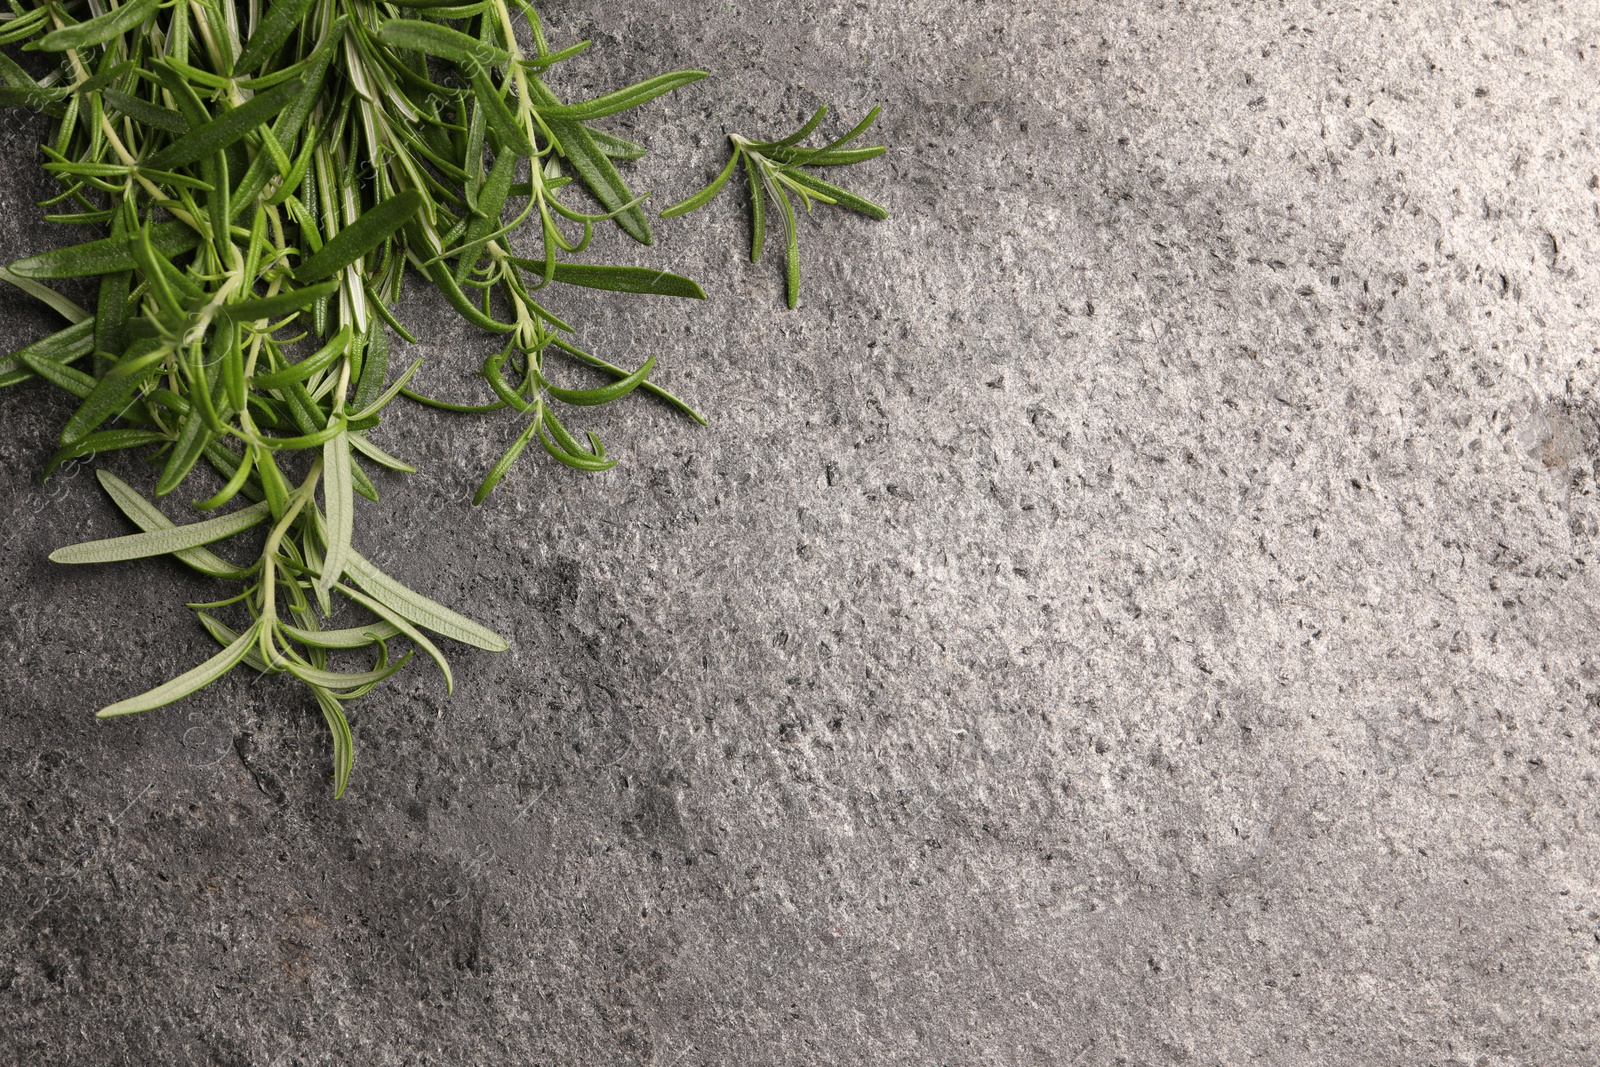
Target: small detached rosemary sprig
{"x":774,"y":171}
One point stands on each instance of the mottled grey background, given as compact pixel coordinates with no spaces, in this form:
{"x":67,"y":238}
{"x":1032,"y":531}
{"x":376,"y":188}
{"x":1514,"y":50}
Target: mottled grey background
{"x":1141,"y":609}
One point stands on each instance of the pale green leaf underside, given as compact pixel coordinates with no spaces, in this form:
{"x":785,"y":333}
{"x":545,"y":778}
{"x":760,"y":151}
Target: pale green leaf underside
{"x":146,"y":516}
{"x":162,"y":542}
{"x":185,"y":683}
{"x":419,"y":609}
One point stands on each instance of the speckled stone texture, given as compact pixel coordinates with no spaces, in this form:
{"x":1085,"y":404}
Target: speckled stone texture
{"x":1141,"y":609}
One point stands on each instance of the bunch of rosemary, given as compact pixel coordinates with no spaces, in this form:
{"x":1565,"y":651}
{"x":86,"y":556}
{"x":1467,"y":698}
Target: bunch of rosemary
{"x":263,"y":188}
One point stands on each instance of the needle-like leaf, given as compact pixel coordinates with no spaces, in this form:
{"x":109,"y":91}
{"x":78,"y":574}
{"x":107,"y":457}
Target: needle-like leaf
{"x":100,"y":30}
{"x":188,"y":682}
{"x":147,"y":517}
{"x":419,"y":609}
{"x":377,"y":225}
{"x":339,"y":496}
{"x":161,"y":542}
{"x":226,"y":128}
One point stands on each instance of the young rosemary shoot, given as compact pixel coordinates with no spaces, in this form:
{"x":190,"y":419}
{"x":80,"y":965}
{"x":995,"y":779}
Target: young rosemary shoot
{"x":257,"y":180}
{"x":774,"y":170}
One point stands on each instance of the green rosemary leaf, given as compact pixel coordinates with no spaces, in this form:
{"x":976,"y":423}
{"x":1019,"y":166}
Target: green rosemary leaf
{"x":13,"y":74}
{"x":361,"y":482}
{"x":223,"y":635}
{"x":340,"y":681}
{"x":142,"y":111}
{"x":318,"y":361}
{"x":593,"y":165}
{"x":856,"y":131}
{"x":388,"y":394}
{"x":628,"y":280}
{"x":432,"y":39}
{"x":353,"y":637}
{"x":564,"y":447}
{"x":416,"y":608}
{"x":706,"y":195}
{"x":605,"y":393}
{"x":589,"y":360}
{"x":67,"y":309}
{"x":800,"y":134}
{"x":95,"y":443}
{"x":502,"y":389}
{"x":491,"y":200}
{"x":839,"y":157}
{"x":400,"y":623}
{"x":344,"y":750}
{"x":233,"y":487}
{"x":623,"y":99}
{"x":355,"y":241}
{"x":339,"y":497}
{"x":441,"y":276}
{"x":33,"y":98}
{"x":503,"y":464}
{"x":188,"y":682}
{"x":278,"y":305}
{"x":791,"y":238}
{"x":842,"y":197}
{"x":147,"y":517}
{"x":161,"y":542}
{"x":99,"y":30}
{"x":95,"y":258}
{"x":617,"y":147}
{"x":110,"y":72}
{"x":281,"y":19}
{"x":309,"y":440}
{"x":758,"y":208}
{"x":225,"y":129}
{"x":495,"y":111}
{"x":64,"y":346}
{"x":115,"y":392}
{"x":74,"y":381}
{"x":374,"y":372}
{"x":378,"y":455}
{"x":193,"y":438}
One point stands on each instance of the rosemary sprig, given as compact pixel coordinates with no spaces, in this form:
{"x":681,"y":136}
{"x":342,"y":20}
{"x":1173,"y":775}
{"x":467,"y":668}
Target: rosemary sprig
{"x":237,"y":178}
{"x":261,"y":178}
{"x":775,"y":170}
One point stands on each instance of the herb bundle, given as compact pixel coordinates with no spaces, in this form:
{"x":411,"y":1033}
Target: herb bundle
{"x":263,"y":189}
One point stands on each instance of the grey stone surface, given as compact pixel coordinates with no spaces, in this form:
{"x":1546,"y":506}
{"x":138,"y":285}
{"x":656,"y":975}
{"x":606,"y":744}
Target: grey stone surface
{"x":1141,"y":609}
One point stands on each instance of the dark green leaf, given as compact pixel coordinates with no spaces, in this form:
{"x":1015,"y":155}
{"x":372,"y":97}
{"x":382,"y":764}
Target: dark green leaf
{"x":74,"y":342}
{"x":432,"y":39}
{"x":593,"y":166}
{"x":495,"y":110}
{"x":104,"y":256}
{"x":105,"y":441}
{"x":281,"y":19}
{"x":319,"y":360}
{"x":628,"y":280}
{"x":149,"y":114}
{"x":366,"y":233}
{"x":99,"y":30}
{"x":605,"y":393}
{"x":622,"y":99}
{"x":226,"y":128}
{"x":278,"y":305}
